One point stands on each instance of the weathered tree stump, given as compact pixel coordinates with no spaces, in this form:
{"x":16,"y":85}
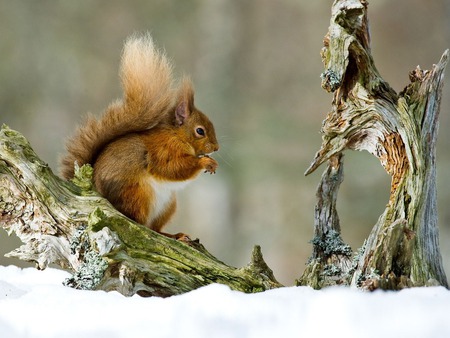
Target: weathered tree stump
{"x":400,"y":130}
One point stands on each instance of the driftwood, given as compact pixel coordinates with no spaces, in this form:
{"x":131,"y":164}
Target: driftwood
{"x":70,"y":225}
{"x":400,"y":130}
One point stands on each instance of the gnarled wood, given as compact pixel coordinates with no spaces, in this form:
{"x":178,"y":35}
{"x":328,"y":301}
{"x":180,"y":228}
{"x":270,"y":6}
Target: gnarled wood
{"x":331,"y":261}
{"x":72,"y":226}
{"x":400,"y":130}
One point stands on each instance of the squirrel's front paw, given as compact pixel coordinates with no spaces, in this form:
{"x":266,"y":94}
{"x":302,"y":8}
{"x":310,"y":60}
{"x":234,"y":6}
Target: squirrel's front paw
{"x":209,"y":164}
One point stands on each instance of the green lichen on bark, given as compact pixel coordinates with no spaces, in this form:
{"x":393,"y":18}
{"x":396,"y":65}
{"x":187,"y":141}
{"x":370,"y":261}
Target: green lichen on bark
{"x":332,"y":243}
{"x":330,"y":81}
{"x":90,"y":273}
{"x":83,"y":178}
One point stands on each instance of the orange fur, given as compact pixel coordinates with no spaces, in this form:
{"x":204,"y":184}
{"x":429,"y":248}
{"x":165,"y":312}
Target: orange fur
{"x":146,"y":146}
{"x":149,"y":95}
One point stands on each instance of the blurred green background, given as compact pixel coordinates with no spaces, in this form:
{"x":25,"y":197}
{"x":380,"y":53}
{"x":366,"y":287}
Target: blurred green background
{"x":255,"y":66}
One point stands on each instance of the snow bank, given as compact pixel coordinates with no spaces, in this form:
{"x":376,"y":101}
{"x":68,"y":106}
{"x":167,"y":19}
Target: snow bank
{"x":35,"y":304}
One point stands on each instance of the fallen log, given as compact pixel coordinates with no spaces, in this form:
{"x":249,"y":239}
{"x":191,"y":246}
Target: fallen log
{"x":72,"y":226}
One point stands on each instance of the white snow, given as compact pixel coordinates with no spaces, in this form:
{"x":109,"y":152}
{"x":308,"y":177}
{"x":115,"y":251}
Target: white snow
{"x":35,"y":304}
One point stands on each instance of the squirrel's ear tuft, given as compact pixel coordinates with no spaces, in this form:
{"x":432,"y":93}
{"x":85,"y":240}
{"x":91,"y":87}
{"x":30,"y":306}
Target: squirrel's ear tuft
{"x":185,"y":104}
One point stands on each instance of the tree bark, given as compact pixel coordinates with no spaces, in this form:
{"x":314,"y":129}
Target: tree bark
{"x":400,"y":130}
{"x":69,"y":224}
{"x":331,"y":260}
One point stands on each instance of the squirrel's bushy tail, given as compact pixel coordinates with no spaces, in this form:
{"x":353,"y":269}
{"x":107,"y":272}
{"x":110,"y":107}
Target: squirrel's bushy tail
{"x":149,"y":94}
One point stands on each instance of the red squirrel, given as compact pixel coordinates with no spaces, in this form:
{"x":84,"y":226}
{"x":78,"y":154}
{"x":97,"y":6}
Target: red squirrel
{"x":148,"y":145}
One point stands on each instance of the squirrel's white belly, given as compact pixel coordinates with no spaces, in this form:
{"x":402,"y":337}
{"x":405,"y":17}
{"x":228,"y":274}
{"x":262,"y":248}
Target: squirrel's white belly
{"x":163,"y":193}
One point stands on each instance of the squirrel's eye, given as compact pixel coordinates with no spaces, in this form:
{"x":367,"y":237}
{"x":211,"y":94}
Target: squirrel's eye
{"x":200,"y":131}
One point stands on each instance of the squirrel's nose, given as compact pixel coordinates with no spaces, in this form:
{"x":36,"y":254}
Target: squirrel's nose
{"x":216,"y":147}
